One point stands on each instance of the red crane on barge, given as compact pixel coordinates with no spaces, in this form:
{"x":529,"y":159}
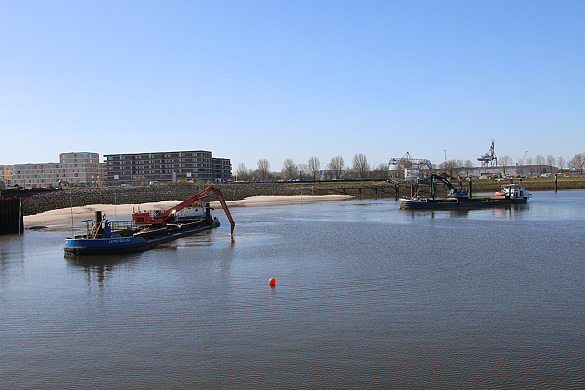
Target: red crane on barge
{"x":146,"y":230}
{"x":144,"y":218}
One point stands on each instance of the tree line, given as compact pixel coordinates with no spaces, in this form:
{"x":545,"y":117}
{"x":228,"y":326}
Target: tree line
{"x":360,"y":169}
{"x":336,"y":169}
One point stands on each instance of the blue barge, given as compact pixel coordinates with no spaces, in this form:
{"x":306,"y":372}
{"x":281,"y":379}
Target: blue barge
{"x":145,"y":231}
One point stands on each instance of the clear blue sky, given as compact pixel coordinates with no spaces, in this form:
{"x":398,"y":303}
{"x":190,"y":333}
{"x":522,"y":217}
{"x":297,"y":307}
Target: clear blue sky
{"x":292,"y":79}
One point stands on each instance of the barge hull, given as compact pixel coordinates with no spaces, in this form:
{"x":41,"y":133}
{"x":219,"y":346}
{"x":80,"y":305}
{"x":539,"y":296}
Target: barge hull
{"x":115,"y":246}
{"x":446,"y":204}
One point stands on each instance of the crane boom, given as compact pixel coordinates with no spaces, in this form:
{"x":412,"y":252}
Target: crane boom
{"x":523,"y":157}
{"x":408,"y":160}
{"x":162,"y":217}
{"x":454,"y":192}
{"x":442,"y":179}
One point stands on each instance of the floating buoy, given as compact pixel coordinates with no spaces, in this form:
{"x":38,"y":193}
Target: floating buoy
{"x":272,"y":282}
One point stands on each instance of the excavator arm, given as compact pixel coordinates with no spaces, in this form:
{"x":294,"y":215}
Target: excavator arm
{"x":164,"y":216}
{"x":445,"y":181}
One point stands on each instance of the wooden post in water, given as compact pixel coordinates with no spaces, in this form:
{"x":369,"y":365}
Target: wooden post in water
{"x":556,"y":183}
{"x":396,"y":190}
{"x":470,"y":188}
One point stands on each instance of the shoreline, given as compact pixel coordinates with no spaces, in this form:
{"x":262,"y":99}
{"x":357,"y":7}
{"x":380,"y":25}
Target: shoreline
{"x":63,"y":217}
{"x":41,"y":200}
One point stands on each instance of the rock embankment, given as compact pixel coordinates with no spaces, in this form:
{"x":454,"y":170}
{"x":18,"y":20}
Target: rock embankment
{"x":58,"y":199}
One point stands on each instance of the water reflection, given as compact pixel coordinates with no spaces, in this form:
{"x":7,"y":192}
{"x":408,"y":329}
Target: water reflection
{"x":510,"y":211}
{"x":366,"y":296}
{"x":499,"y":211}
{"x":12,"y":254}
{"x":98,"y":268}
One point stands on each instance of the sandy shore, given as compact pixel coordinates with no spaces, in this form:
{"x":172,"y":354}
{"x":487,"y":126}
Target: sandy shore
{"x":62,"y":217}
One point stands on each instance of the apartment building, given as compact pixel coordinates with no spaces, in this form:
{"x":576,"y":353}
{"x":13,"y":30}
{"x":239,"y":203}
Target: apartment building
{"x":222,"y":169}
{"x":166,"y":167}
{"x":6,"y":172}
{"x":75,"y":168}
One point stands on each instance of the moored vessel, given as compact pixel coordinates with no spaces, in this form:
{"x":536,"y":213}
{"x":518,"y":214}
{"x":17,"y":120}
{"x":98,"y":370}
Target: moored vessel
{"x":146,"y":230}
{"x":509,"y":194}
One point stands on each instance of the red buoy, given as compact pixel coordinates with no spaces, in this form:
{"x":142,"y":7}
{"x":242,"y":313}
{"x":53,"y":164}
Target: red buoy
{"x":272,"y":282}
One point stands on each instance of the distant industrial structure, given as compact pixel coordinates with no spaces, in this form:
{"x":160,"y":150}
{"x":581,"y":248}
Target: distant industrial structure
{"x":187,"y":165}
{"x":415,"y":168}
{"x":412,"y":166}
{"x":487,"y":160}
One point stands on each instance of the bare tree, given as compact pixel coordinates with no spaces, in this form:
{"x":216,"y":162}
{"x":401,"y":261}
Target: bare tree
{"x":424,"y":171}
{"x":550,"y":160}
{"x":360,"y":165}
{"x":336,"y":166}
{"x":449,"y":167}
{"x":314,"y":166}
{"x":290,"y":170}
{"x":468,"y":165}
{"x":529,"y":163}
{"x":303,"y":170}
{"x":539,"y":161}
{"x":263,"y":169}
{"x":577,"y":162}
{"x":505,"y":161}
{"x":561,"y":162}
{"x":381,"y":172}
{"x":398,"y":171}
{"x":243,"y":173}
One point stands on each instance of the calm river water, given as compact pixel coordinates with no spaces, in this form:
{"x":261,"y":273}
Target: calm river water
{"x":366,"y":296}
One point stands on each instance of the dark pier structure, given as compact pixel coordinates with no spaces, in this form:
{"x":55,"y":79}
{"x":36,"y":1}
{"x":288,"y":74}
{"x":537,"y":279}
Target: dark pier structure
{"x":11,"y":221}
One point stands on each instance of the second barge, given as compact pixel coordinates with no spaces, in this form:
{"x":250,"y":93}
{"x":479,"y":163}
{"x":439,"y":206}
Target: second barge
{"x":510,"y":194}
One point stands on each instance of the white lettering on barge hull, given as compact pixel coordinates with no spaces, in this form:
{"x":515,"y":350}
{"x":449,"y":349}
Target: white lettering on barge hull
{"x":118,"y":240}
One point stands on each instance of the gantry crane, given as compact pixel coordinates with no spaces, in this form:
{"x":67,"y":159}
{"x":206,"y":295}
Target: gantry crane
{"x":489,"y":158}
{"x":407,"y":161}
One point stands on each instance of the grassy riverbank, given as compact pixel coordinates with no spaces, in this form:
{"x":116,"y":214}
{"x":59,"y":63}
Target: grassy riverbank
{"x":370,"y":189}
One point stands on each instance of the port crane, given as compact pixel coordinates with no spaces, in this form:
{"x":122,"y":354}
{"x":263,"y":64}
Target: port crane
{"x":489,"y":158}
{"x":407,"y":161}
{"x":144,"y":218}
{"x":523,"y":158}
